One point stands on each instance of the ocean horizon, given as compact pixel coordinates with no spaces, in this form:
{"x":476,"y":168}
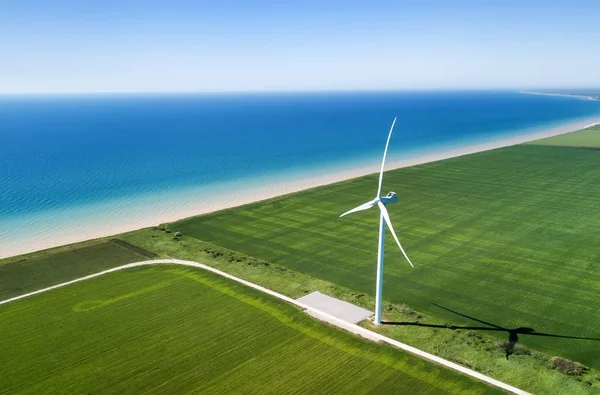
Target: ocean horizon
{"x":84,"y":164}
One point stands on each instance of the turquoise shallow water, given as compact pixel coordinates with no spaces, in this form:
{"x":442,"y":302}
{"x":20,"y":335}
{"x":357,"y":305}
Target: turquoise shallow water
{"x":69,"y":157}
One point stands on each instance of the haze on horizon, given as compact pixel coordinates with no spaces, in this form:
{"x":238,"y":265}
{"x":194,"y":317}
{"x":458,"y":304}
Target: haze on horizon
{"x":187,"y":46}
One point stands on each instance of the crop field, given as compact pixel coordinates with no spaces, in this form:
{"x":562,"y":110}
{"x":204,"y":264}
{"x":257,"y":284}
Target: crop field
{"x":586,"y":138}
{"x":169,"y":329}
{"x":26,"y":273}
{"x":501,"y":240}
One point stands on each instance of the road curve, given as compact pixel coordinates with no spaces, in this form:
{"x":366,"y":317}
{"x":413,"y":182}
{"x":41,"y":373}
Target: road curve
{"x":353,"y":328}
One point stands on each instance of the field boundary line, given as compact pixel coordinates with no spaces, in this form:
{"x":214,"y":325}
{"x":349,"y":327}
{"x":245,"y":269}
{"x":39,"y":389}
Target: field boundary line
{"x":321,"y":315}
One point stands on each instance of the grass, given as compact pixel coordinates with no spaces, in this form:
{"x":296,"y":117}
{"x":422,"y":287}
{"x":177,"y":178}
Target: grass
{"x":508,"y":237}
{"x":586,"y":138}
{"x":26,"y":273}
{"x":173,"y":330}
{"x":527,"y":370}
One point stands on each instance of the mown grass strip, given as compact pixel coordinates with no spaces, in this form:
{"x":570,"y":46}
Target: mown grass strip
{"x":586,"y":138}
{"x":507,"y":236}
{"x":167,"y":329}
{"x":27,"y":273}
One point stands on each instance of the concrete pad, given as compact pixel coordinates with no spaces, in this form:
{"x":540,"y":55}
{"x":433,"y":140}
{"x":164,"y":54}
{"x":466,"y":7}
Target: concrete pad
{"x":337,"y":308}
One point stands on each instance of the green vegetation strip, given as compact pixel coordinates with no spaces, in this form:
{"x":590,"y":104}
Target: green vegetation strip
{"x":479,"y":350}
{"x":506,"y":237}
{"x":586,"y":138}
{"x":167,"y":329}
{"x":134,"y":248}
{"x":27,"y":273}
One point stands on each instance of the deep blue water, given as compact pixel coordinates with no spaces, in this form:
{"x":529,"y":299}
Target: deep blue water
{"x":58,"y":152}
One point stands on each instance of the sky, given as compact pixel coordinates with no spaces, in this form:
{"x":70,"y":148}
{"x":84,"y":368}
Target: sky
{"x":227,"y":45}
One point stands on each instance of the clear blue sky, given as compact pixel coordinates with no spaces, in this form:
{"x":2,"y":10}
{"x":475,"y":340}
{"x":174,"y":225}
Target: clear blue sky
{"x":225,"y":45}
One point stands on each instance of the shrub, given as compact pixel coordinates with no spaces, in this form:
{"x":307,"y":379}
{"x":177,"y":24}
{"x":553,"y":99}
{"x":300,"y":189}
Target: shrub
{"x":407,"y":311}
{"x":566,"y":366}
{"x":516,"y":349}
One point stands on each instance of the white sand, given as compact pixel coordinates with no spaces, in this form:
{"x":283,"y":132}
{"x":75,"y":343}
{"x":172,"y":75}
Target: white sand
{"x":561,"y":95}
{"x":77,"y":225}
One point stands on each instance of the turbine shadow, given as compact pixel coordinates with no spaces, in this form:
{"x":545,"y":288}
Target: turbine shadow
{"x":513,"y":334}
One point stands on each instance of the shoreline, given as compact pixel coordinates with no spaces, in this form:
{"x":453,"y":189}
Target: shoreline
{"x":186,"y":205}
{"x":575,"y":96}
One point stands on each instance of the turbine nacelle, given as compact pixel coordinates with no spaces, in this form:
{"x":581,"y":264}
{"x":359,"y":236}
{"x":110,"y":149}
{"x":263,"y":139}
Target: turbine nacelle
{"x":391,"y":197}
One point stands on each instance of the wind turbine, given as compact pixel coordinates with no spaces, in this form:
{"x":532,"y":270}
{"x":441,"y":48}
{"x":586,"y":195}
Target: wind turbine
{"x":384,"y":218}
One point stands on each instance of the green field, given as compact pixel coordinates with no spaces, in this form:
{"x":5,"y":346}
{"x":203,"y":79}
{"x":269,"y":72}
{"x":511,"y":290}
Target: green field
{"x":501,"y":240}
{"x":26,"y":273}
{"x":168,"y":329}
{"x":587,"y":138}
{"x":507,"y":237}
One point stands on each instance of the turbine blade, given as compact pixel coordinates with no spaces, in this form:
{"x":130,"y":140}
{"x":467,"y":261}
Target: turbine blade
{"x":386,"y":216}
{"x":383,"y":161}
{"x":364,"y":206}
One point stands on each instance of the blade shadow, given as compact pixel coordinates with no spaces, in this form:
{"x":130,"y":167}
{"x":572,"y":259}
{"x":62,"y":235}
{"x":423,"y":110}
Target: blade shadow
{"x":513,"y":334}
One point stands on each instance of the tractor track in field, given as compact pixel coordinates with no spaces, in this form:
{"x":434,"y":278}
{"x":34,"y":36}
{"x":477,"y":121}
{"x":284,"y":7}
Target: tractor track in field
{"x":325,"y":317}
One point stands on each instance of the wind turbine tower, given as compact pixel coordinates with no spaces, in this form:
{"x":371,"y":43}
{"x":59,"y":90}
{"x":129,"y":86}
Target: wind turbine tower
{"x":384,"y":219}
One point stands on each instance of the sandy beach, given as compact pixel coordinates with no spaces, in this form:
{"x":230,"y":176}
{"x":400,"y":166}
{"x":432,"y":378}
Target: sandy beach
{"x":586,"y":97}
{"x":115,"y":220}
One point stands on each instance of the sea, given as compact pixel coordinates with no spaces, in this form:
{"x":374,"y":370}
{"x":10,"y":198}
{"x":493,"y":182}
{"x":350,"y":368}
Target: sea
{"x":81,"y":163}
